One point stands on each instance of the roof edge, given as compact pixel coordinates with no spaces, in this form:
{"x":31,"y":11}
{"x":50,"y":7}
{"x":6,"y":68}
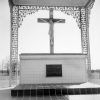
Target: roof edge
{"x":11,"y":3}
{"x":16,"y":2}
{"x":89,"y":3}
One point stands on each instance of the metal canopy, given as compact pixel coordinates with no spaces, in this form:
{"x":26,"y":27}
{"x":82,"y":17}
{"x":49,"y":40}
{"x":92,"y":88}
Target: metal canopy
{"x":52,"y":2}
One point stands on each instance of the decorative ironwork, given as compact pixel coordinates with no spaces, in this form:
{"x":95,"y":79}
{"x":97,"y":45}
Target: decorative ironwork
{"x":74,"y":12}
{"x":25,"y":10}
{"x":23,"y":13}
{"x":33,"y":8}
{"x":85,"y":16}
{"x":14,"y":34}
{"x":88,"y":11}
{"x":14,"y":42}
{"x":84,"y":31}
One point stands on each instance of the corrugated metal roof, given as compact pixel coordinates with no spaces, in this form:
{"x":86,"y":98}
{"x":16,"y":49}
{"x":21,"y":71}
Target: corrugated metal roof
{"x":52,"y":2}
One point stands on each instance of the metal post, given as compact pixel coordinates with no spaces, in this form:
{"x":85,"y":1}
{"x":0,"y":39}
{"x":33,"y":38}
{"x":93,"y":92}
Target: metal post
{"x":13,"y":40}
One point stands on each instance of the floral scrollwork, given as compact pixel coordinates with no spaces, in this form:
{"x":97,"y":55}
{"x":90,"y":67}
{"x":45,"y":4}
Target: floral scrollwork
{"x":25,"y":10}
{"x":75,"y":13}
{"x":23,"y":13}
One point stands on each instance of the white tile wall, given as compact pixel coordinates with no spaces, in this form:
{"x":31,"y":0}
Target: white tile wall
{"x":33,"y":71}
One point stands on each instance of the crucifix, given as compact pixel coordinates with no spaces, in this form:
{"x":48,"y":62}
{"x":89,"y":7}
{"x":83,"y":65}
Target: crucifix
{"x":51,"y":22}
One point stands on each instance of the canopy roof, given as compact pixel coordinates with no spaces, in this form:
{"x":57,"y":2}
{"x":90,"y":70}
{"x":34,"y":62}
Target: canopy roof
{"x":52,"y":2}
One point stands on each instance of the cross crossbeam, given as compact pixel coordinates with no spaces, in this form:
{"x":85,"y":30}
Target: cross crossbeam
{"x":51,"y":22}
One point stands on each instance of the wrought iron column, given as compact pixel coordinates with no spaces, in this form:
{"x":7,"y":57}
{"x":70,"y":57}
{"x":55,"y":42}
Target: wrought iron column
{"x":13,"y":41}
{"x":87,"y":23}
{"x":85,"y":36}
{"x":84,"y":31}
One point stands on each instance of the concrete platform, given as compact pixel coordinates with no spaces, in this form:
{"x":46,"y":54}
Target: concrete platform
{"x":31,"y":90}
{"x":6,"y":95}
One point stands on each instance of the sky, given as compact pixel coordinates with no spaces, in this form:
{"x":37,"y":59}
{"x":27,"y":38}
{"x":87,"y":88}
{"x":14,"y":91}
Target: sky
{"x":34,"y":37}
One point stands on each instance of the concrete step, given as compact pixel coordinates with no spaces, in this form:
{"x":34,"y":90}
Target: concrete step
{"x":50,"y":90}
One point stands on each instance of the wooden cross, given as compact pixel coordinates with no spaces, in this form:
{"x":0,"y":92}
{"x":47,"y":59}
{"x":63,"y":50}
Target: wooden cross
{"x":51,"y":22}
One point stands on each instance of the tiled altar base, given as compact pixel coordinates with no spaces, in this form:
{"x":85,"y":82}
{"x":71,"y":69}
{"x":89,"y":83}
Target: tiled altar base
{"x":50,"y":90}
{"x":6,"y":95}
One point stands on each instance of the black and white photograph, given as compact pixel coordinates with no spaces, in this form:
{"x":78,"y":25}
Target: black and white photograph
{"x":49,"y":50}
